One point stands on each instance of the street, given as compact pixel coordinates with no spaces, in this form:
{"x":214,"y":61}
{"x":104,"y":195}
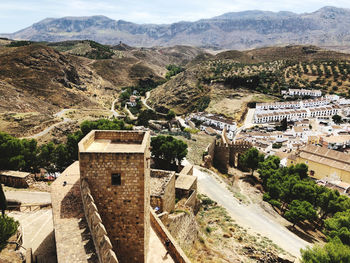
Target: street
{"x":250,"y":216}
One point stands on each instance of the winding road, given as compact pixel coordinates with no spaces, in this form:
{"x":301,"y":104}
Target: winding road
{"x":48,"y":129}
{"x":250,"y":216}
{"x":144,"y":101}
{"x":114,"y":112}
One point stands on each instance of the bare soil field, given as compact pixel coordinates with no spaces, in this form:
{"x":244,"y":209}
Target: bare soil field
{"x":233,"y":103}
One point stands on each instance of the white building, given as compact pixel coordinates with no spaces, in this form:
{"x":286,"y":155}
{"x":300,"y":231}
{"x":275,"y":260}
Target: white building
{"x":297,"y":104}
{"x":216,"y":121}
{"x":295,"y":115}
{"x":302,"y":92}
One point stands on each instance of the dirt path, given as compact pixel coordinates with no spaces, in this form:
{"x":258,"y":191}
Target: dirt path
{"x":248,"y":122}
{"x":59,"y":114}
{"x":114,"y":112}
{"x":250,"y":216}
{"x":131,"y":116}
{"x":144,"y":101}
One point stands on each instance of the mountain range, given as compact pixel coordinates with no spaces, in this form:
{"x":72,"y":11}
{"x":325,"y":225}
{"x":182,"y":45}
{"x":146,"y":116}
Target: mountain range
{"x":326,"y":27}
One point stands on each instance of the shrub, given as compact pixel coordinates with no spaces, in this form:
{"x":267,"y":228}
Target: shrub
{"x":8,"y":226}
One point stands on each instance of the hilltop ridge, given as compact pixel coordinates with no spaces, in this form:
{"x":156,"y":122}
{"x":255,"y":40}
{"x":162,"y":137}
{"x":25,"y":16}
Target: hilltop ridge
{"x":234,"y":30}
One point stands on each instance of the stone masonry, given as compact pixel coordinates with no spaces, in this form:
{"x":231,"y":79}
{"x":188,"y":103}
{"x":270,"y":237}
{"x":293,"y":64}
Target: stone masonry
{"x":224,"y":153}
{"x":163,"y":190}
{"x":116,"y":166}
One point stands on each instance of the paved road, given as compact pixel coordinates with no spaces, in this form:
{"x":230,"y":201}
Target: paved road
{"x":248,"y":122}
{"x":251,"y":216}
{"x":27,"y":197}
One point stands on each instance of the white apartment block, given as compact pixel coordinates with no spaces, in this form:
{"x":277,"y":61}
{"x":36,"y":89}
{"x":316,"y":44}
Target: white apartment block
{"x":302,"y":92}
{"x":295,"y":115}
{"x":293,"y":104}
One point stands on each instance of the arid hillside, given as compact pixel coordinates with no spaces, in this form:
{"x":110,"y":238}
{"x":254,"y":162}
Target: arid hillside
{"x":253,"y":75}
{"x":259,"y":71}
{"x":40,"y":79}
{"x":37,"y":78}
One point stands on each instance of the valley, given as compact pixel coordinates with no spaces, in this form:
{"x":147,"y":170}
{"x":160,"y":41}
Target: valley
{"x":57,"y":92}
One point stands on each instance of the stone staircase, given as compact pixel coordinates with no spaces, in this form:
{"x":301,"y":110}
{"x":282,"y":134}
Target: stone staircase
{"x":37,"y":229}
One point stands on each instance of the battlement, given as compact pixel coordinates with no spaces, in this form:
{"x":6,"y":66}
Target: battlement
{"x":113,"y":142}
{"x":102,"y":243}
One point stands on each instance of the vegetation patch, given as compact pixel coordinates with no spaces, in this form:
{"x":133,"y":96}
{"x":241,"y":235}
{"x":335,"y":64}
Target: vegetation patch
{"x":8,"y":227}
{"x":222,"y":240}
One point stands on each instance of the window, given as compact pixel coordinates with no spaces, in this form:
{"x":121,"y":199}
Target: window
{"x":116,"y":179}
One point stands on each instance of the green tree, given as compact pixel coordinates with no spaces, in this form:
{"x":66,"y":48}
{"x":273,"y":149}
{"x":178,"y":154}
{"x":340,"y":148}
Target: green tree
{"x":337,"y":119}
{"x":268,"y":168}
{"x":46,"y":157}
{"x":145,"y":116}
{"x":3,"y":201}
{"x":167,"y":151}
{"x":300,"y":211}
{"x":332,"y":252}
{"x":173,"y":70}
{"x":170,"y":115}
{"x":339,"y":226}
{"x":301,"y":169}
{"x":61,"y":157}
{"x":251,"y":159}
{"x":284,"y":124}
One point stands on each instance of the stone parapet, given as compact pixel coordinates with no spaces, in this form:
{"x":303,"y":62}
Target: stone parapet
{"x":174,"y":249}
{"x":192,"y":201}
{"x":102,"y":243}
{"x":187,"y":170}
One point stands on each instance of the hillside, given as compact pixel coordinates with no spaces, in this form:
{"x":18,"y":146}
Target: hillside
{"x":37,"y":78}
{"x":40,"y":79}
{"x":326,"y":27}
{"x":234,"y":74}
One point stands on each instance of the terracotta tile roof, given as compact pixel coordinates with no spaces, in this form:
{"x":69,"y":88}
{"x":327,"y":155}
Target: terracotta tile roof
{"x":326,"y":156}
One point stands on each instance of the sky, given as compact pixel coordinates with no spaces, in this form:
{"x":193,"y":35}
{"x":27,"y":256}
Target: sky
{"x":18,"y":14}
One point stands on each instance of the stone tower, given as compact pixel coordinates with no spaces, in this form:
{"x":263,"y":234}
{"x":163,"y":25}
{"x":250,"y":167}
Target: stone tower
{"x":116,"y":165}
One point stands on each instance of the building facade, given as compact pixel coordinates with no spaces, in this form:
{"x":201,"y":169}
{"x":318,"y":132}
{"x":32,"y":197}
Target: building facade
{"x":302,"y":92}
{"x":323,"y":162}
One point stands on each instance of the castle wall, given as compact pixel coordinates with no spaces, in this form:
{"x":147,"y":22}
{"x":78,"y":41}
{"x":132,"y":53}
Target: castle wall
{"x":221,"y":157}
{"x":174,"y":249}
{"x":124,"y":208}
{"x":169,"y":196}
